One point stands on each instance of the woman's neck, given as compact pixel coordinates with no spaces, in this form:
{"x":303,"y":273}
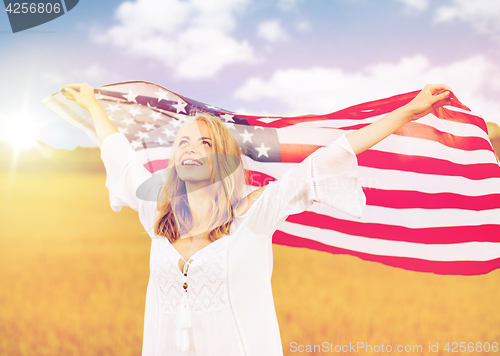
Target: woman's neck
{"x":201,"y":204}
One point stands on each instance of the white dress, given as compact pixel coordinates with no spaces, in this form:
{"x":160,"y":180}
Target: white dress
{"x":229,"y":294}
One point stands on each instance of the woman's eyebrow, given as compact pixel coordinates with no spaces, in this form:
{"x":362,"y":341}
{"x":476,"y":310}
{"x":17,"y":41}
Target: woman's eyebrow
{"x":201,"y":138}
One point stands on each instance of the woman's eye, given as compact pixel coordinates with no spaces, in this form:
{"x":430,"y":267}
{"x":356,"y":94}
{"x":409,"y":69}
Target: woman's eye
{"x":208,"y":143}
{"x":183,"y":142}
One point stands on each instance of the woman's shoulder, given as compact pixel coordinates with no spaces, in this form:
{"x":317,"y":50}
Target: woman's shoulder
{"x":249,"y":200}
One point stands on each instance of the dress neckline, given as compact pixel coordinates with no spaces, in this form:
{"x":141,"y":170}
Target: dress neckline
{"x":194,"y":254}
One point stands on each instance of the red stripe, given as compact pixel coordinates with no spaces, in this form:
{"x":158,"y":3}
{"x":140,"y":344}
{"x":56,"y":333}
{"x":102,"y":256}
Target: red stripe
{"x":294,"y":153}
{"x":466,"y":118}
{"x":258,"y":179}
{"x":419,"y":130}
{"x":397,"y":199}
{"x":427,"y":165}
{"x":370,"y":109}
{"x":356,"y":112}
{"x":428,"y":235}
{"x":467,"y":268}
{"x":426,"y":132}
{"x":388,"y":160}
{"x":405,"y":199}
{"x":156,"y":165}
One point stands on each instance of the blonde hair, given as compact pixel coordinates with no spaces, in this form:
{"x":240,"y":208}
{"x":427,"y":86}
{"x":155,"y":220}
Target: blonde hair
{"x":175,"y":218}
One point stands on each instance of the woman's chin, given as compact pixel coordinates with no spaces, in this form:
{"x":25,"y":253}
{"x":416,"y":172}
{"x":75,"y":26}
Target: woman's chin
{"x":196,"y":179}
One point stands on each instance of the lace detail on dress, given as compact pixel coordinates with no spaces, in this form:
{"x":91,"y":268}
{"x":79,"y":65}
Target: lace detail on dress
{"x":207,"y":290}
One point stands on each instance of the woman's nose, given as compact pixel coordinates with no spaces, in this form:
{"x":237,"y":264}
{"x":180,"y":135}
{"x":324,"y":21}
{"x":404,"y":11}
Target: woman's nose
{"x":191,"y":148}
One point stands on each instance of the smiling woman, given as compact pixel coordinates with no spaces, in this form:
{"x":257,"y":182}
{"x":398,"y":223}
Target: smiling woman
{"x":209,"y":290}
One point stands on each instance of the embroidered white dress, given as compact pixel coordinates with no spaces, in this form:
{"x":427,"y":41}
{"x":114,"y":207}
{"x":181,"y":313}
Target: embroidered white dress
{"x":230,"y":295}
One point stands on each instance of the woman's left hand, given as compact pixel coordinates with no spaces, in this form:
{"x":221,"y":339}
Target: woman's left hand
{"x":432,"y":97}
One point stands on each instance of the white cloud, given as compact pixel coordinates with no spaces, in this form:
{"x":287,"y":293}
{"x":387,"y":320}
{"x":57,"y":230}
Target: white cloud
{"x":52,"y":78}
{"x":322,"y":90}
{"x":483,"y":15}
{"x":271,"y":31}
{"x":287,"y":4}
{"x":95,"y":73}
{"x":303,"y":26}
{"x":416,"y":4}
{"x":193,"y":37}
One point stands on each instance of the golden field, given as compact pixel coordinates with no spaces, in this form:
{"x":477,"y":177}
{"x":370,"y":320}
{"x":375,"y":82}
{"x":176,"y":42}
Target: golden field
{"x":74,"y":276}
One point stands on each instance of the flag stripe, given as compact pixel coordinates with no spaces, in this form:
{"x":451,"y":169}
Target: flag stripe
{"x":467,"y":268}
{"x":402,"y":181}
{"x":466,"y":251}
{"x":427,"y":165}
{"x":404,"y":199}
{"x":429,"y":235}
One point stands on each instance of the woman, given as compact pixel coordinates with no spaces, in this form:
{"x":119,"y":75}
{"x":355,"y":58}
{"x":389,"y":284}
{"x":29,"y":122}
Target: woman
{"x":209,"y":291}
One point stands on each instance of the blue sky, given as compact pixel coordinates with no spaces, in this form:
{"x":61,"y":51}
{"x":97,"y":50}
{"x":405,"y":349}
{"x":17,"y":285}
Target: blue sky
{"x":283,"y":57}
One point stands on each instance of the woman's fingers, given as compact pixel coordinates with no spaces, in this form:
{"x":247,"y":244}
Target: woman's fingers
{"x":83,"y":94}
{"x":68,"y":92}
{"x":439,"y":88}
{"x":72,"y":86}
{"x":430,"y":98}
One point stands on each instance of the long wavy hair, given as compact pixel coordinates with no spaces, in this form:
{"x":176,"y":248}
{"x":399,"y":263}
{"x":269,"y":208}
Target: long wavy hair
{"x":174,"y":213}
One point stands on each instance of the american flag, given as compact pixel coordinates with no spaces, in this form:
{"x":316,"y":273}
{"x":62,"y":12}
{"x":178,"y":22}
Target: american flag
{"x":432,"y":187}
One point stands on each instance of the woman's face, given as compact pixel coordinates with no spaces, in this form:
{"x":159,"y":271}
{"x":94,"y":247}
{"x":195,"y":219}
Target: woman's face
{"x":192,"y":156}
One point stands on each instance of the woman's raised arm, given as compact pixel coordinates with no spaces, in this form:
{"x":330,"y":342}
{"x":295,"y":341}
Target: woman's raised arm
{"x":83,"y":94}
{"x":428,"y":100}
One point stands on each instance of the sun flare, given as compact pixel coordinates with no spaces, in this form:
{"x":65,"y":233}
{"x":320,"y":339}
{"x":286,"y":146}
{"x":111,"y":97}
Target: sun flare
{"x":20,"y":134}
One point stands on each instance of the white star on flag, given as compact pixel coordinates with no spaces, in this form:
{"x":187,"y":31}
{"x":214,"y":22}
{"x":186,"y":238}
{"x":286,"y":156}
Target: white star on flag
{"x":136,"y":144}
{"x":230,"y":125}
{"x":168,"y":132}
{"x":127,"y":121}
{"x":142,"y":135}
{"x":262,"y":150}
{"x":180,"y":106}
{"x":176,"y":123}
{"x":162,"y":95}
{"x":155,"y":115}
{"x":134,"y":111}
{"x":113,"y":107}
{"x":247,"y":136}
{"x":111,"y":117}
{"x":258,"y":127}
{"x":148,"y":126}
{"x":267,"y":120}
{"x":123,"y":130}
{"x":227,"y":118}
{"x":161,"y":141}
{"x":131,"y":96}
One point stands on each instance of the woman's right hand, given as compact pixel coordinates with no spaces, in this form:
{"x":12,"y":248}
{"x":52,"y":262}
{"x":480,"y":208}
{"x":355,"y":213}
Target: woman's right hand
{"x":83,"y":94}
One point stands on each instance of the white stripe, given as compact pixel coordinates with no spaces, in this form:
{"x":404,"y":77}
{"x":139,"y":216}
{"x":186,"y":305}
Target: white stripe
{"x":394,"y":143}
{"x":415,"y":218}
{"x":469,"y":251}
{"x":308,"y":136}
{"x":311,"y":134}
{"x":397,"y":180}
{"x":453,"y":108}
{"x":427,"y":183}
{"x":336,"y":123}
{"x":452,"y":127}
{"x":427,"y":148}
